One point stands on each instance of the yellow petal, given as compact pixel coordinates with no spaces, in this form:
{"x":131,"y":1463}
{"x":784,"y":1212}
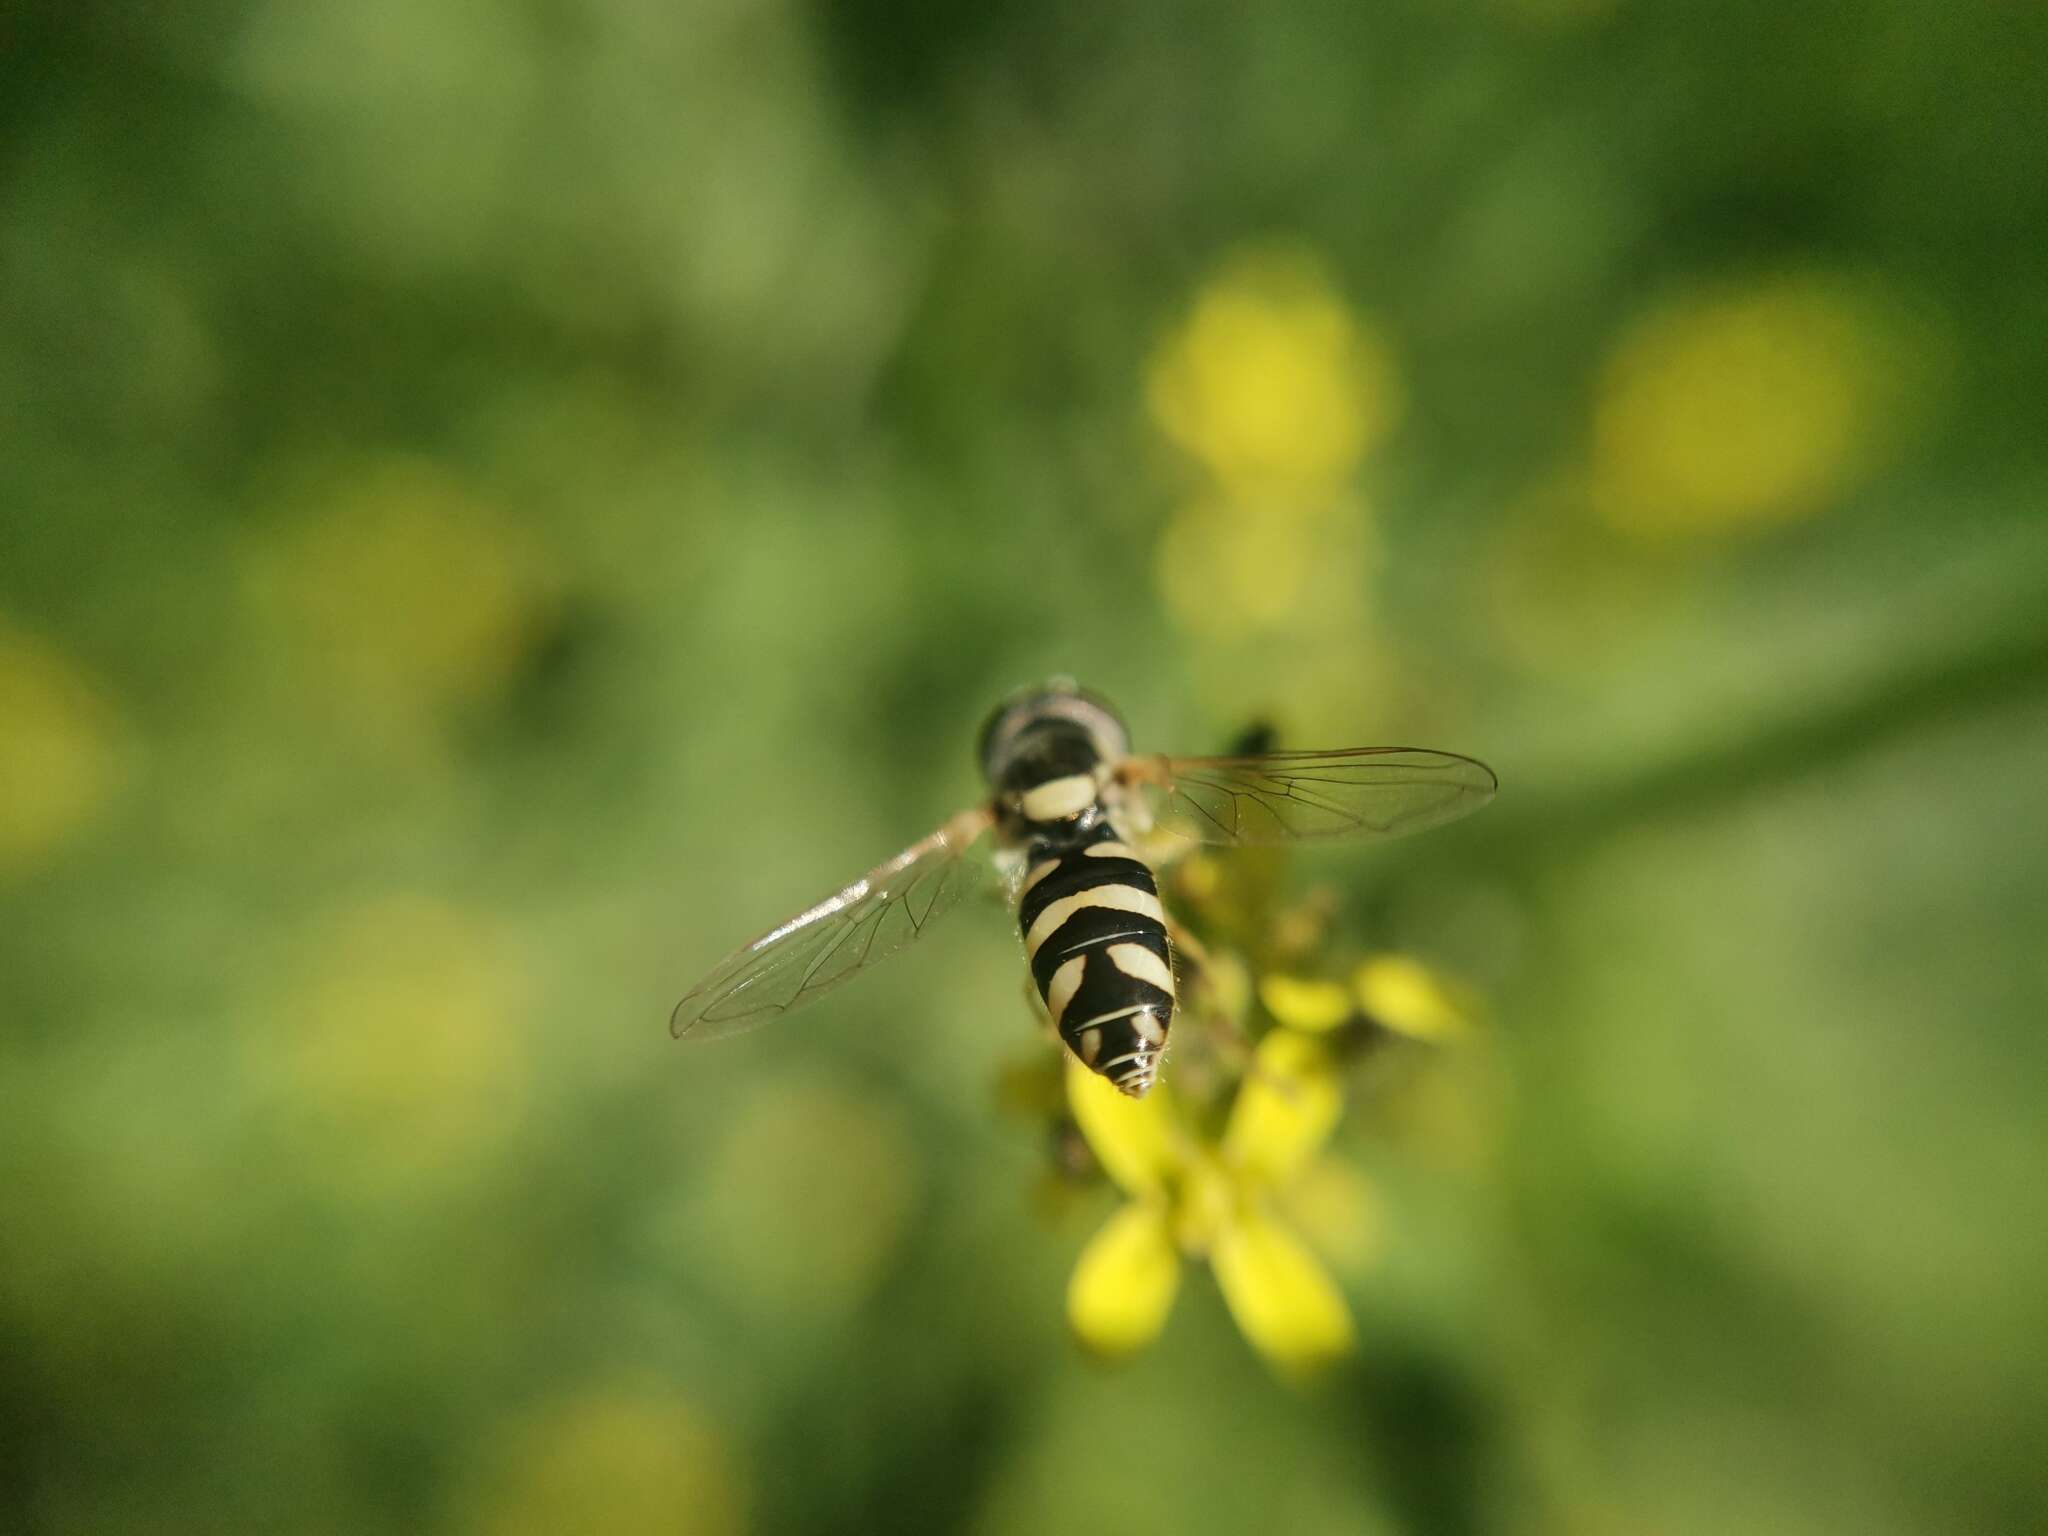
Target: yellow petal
{"x":1135,"y":1140}
{"x":1304,"y":1004}
{"x":1286,"y":1109}
{"x":1124,"y":1283}
{"x":1282,"y":1298}
{"x":1408,"y":998}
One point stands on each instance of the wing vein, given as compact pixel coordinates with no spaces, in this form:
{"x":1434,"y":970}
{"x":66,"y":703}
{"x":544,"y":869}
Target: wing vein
{"x":837,"y":938}
{"x":1295,"y":796}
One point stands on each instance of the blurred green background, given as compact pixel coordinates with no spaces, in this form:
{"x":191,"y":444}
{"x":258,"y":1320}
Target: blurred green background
{"x":500,"y":502}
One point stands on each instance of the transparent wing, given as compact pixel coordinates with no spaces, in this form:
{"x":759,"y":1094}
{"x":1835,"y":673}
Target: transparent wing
{"x":1285,"y":797}
{"x":889,"y":907}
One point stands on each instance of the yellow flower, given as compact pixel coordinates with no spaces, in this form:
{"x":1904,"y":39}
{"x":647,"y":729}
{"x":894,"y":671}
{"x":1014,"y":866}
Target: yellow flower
{"x":1214,"y":1200}
{"x":1394,"y":991}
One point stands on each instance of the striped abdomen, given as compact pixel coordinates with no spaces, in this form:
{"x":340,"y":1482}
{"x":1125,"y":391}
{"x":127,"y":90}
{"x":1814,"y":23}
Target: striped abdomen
{"x":1096,"y":938}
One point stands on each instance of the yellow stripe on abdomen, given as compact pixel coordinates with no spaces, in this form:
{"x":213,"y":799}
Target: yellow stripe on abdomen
{"x":1138,"y":961}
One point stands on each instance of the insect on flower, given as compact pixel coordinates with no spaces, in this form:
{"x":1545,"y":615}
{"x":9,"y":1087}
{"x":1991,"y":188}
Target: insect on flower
{"x":1070,"y":808}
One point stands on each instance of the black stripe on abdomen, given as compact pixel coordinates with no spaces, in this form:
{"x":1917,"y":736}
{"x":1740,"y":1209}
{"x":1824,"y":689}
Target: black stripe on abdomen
{"x":1088,"y":901}
{"x":1076,"y":871}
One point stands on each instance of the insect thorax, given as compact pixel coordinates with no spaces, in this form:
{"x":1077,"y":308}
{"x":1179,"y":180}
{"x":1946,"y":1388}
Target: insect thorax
{"x":1044,"y":733}
{"x":1044,"y":753}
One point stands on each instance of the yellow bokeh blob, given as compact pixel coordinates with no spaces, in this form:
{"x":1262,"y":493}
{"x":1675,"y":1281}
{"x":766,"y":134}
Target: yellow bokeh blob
{"x":1407,"y":997}
{"x":1226,"y":572}
{"x":1276,"y":389}
{"x":808,"y":1192}
{"x":402,"y":594}
{"x":1230,"y":570}
{"x":620,"y":1459}
{"x":402,"y":1043}
{"x":1744,"y":407}
{"x":1562,"y":594}
{"x":1273,"y":383}
{"x":60,"y":756}
{"x":1336,"y":1207}
{"x":1303,"y":1002}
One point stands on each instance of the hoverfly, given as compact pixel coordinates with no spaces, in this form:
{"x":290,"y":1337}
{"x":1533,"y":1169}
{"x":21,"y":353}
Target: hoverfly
{"x":1069,"y":808}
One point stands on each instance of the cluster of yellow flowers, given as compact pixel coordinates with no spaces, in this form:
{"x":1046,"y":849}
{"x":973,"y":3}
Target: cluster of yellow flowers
{"x":1229,"y":1162}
